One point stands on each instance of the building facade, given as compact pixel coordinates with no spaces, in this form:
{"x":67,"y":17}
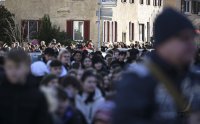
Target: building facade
{"x":191,"y":8}
{"x":132,"y":21}
{"x":2,"y":2}
{"x":76,"y":17}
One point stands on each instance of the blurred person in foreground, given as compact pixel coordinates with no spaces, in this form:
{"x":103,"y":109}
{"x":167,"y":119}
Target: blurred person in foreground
{"x":165,"y":89}
{"x":21,"y":102}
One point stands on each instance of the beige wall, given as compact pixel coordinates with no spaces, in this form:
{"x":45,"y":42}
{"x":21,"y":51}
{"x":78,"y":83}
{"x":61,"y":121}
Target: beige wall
{"x":136,"y":13}
{"x":58,"y":10}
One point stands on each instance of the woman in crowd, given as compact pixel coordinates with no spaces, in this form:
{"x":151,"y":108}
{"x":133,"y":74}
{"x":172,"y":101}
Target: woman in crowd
{"x":87,"y":63}
{"x":65,"y":57}
{"x":71,"y":86}
{"x":88,"y":100}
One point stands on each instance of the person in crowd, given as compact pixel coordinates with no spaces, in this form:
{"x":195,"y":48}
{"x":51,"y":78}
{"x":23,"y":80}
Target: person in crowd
{"x":49,"y":55}
{"x":67,"y":113}
{"x":57,"y":68}
{"x":72,"y":73}
{"x":132,"y":56}
{"x":39,"y":70}
{"x":79,"y":74}
{"x":163,"y":90}
{"x":87,"y":63}
{"x":50,"y":81}
{"x":88,"y":100}
{"x":116,"y":54}
{"x":121,"y":59}
{"x":104,"y":113}
{"x":65,"y":57}
{"x":72,"y":86}
{"x":21,"y":102}
{"x":108,"y":59}
{"x":99,"y":65}
{"x":77,"y":57}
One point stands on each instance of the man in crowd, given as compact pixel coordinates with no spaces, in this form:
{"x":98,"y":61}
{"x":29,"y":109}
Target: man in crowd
{"x":164,"y":89}
{"x":21,"y":102}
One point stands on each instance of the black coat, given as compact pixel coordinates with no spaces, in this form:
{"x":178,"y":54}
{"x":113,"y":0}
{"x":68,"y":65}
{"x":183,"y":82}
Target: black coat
{"x":140,"y":98}
{"x":22,"y":104}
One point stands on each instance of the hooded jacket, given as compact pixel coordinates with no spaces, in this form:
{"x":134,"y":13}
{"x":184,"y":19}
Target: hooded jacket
{"x":142,"y":99}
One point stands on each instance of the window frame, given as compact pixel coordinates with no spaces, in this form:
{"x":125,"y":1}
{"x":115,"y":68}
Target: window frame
{"x":82,"y":30}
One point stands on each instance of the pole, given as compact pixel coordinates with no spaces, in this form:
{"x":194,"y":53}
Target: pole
{"x":99,"y":19}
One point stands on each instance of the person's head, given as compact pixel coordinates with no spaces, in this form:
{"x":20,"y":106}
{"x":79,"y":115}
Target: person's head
{"x":72,"y":72}
{"x":77,"y":56}
{"x":42,"y":43}
{"x":50,"y":81}
{"x":89,"y":81}
{"x":116,"y":54}
{"x":64,"y":56}
{"x":49,"y":54}
{"x":56,"y":67}
{"x":174,"y":40}
{"x":17,"y":65}
{"x":108,"y":59}
{"x":79,"y":73}
{"x":71,"y":85}
{"x":122,"y":56}
{"x":103,"y":114}
{"x":97,"y":63}
{"x":87,"y":62}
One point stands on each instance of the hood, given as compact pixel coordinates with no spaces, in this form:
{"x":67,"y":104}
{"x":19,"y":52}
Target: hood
{"x":39,"y":68}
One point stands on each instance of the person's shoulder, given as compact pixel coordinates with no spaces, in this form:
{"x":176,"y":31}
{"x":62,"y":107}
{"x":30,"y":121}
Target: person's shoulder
{"x":138,"y":70}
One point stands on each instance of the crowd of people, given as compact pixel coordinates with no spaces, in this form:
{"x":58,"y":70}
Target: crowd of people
{"x":75,"y":85}
{"x":62,"y":84}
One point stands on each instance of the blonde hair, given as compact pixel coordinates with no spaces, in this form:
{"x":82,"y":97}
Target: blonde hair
{"x":63,"y":51}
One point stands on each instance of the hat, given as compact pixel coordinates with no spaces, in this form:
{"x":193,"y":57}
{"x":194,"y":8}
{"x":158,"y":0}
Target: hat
{"x":169,"y":24}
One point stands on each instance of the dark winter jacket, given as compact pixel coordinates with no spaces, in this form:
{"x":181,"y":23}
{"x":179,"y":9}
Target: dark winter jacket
{"x":22,"y":104}
{"x":73,"y":116}
{"x":142,"y":99}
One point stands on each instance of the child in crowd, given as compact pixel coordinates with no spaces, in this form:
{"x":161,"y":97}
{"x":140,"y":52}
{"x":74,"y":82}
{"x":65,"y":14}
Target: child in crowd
{"x":57,"y":68}
{"x":66,"y":112}
{"x":50,"y":81}
{"x":72,"y":86}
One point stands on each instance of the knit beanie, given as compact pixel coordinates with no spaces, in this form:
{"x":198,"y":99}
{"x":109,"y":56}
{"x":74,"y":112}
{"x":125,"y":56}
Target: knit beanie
{"x":169,"y":24}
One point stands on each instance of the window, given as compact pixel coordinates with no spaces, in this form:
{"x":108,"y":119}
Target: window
{"x":110,"y":31}
{"x":29,"y":29}
{"x":141,"y":32}
{"x":141,"y":1}
{"x":155,"y":2}
{"x":131,"y":31}
{"x":186,"y":6}
{"x":148,"y":2}
{"x":124,"y":37}
{"x":131,"y":1}
{"x":148,"y":31}
{"x":78,"y":30}
{"x":195,"y":7}
{"x":159,"y":2}
{"x":124,"y":1}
